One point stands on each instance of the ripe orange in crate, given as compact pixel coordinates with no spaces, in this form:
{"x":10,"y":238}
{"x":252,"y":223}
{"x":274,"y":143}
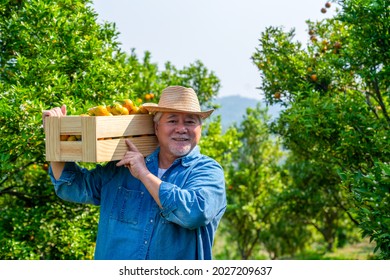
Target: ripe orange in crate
{"x":102,"y":138}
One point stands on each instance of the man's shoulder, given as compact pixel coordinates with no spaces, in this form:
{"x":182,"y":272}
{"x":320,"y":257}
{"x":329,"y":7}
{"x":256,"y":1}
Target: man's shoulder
{"x":207,"y":161}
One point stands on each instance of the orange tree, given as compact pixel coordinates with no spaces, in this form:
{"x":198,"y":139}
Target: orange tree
{"x":253,"y":219}
{"x":54,"y":53}
{"x":257,"y":219}
{"x":336,"y":96}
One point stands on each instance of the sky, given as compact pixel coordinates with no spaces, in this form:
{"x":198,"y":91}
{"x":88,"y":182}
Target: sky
{"x":222,"y":34}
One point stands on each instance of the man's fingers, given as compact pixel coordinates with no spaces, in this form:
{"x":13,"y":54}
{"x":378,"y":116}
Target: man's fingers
{"x":45,"y":113}
{"x":63,"y":109}
{"x":120,"y":163}
{"x":129,"y":154}
{"x":57,"y":111}
{"x":131,"y":146}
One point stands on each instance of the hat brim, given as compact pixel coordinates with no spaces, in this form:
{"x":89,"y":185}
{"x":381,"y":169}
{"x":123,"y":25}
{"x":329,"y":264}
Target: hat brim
{"x":153,"y":108}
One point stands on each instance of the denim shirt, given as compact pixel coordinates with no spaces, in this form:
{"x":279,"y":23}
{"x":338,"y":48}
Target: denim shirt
{"x":131,"y":224}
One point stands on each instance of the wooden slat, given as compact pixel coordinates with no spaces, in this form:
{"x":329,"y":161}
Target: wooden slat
{"x":88,"y":139}
{"x":71,"y":125}
{"x":71,"y":151}
{"x":109,"y":150}
{"x":117,"y":126}
{"x":52,"y":131}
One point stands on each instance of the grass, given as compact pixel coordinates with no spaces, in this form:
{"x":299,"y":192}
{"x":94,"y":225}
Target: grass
{"x":359,"y":251}
{"x":363,"y":250}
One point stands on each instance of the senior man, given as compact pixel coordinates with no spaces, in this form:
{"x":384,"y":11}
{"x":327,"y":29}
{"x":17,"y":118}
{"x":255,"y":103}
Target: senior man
{"x":165,"y":206}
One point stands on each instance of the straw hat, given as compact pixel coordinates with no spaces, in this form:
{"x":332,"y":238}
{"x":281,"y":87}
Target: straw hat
{"x":178,"y":99}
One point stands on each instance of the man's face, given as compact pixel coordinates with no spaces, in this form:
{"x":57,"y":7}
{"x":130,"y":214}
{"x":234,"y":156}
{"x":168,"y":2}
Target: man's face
{"x":178,"y":133}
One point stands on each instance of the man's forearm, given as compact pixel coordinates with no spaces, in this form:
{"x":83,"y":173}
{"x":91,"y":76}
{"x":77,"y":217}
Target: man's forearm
{"x":57,"y":168}
{"x":152,"y":184}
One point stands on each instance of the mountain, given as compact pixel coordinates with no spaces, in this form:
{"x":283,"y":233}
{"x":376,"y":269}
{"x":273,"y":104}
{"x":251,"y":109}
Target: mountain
{"x":233,"y":108}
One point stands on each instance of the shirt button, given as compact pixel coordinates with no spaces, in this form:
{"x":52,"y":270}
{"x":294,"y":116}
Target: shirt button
{"x":146,"y":242}
{"x":151,"y":220}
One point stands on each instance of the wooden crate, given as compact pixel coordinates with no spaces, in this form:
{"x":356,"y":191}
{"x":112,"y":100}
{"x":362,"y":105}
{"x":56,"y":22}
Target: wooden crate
{"x":102,"y":138}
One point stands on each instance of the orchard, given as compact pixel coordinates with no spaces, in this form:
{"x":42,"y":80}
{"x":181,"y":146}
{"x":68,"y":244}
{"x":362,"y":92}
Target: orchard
{"x":335,"y":124}
{"x":55,"y":53}
{"x":316,"y":177}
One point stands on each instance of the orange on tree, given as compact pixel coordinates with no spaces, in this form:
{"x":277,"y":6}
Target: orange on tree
{"x":149,"y":96}
{"x":45,"y":166}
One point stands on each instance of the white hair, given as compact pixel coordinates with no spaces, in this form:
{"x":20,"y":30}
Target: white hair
{"x":157,"y":117}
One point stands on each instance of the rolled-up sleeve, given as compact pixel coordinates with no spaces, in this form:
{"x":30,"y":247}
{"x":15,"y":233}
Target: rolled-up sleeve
{"x":198,"y":199}
{"x":77,"y":184}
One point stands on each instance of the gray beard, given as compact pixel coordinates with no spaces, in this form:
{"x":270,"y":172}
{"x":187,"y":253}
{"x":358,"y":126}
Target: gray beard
{"x":180,"y":152}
